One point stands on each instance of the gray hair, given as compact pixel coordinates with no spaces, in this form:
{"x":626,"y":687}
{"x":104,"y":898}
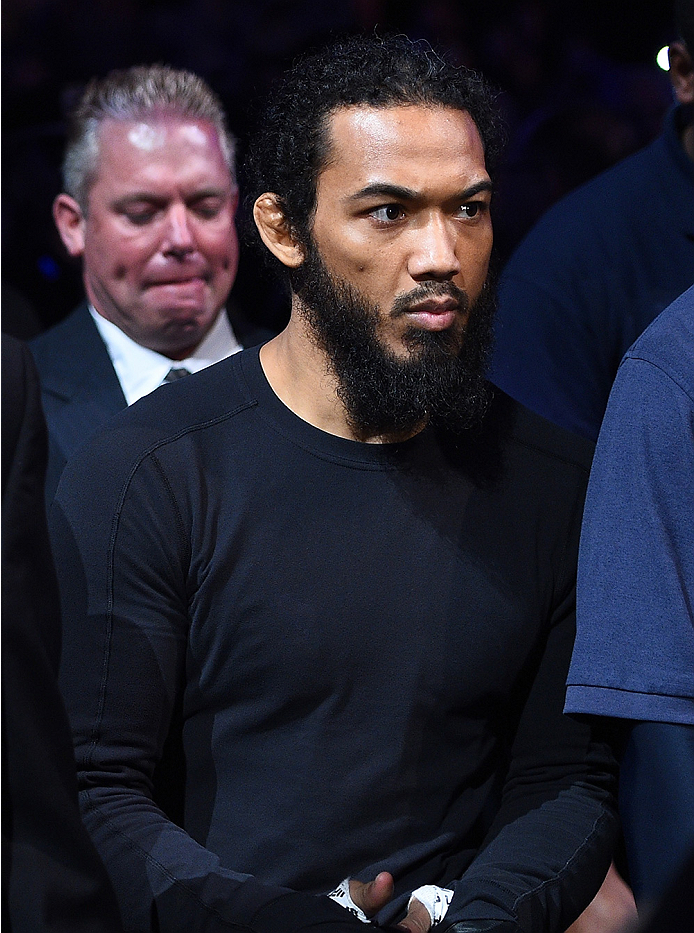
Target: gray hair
{"x":136,"y":94}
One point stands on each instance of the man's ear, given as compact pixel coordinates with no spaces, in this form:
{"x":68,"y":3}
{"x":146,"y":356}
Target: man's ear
{"x":70,"y":222}
{"x":682,"y":72}
{"x":274,"y":230}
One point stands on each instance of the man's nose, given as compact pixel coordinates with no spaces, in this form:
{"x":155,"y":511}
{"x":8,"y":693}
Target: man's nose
{"x":179,"y":234}
{"x":434,"y":251}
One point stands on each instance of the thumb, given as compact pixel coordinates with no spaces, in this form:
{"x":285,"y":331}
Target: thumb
{"x":417,"y":919}
{"x":372,"y":896}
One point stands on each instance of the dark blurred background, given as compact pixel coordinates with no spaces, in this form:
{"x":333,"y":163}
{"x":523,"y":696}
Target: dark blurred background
{"x":578,"y":80}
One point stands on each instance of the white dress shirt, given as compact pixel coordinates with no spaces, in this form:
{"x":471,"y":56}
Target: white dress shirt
{"x":140,"y":371}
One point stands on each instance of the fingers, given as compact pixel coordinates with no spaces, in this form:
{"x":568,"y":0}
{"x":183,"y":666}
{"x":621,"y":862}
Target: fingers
{"x":417,"y":919}
{"x":372,"y":896}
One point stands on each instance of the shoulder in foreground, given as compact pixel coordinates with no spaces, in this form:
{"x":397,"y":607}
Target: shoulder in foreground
{"x":171,"y":412}
{"x":532,"y":431}
{"x":669,"y":338}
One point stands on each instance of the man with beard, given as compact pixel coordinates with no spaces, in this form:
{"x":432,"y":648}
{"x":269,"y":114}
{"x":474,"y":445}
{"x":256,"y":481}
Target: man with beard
{"x":336,"y":575}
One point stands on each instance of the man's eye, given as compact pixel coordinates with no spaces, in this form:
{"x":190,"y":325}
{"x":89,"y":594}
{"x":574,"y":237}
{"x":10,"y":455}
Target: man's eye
{"x":387,"y":213}
{"x":207,"y":209}
{"x":473,"y":209}
{"x":139,"y":218}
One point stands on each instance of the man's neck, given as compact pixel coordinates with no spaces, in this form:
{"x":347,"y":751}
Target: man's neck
{"x":300,"y":375}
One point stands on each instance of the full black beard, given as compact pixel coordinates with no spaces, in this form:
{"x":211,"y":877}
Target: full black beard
{"x":441,"y":382}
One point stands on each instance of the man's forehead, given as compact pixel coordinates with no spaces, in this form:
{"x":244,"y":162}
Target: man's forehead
{"x":168,"y":145}
{"x":149,"y":137}
{"x":364,"y":139}
{"x":155,"y":132}
{"x":158,"y":152}
{"x":373,"y":116}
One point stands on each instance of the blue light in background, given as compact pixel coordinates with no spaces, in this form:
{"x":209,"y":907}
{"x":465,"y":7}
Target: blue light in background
{"x":48,"y":268}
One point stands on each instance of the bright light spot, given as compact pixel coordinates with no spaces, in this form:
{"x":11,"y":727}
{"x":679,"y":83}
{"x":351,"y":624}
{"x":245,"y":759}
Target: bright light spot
{"x":662,"y":58}
{"x":147,"y":137}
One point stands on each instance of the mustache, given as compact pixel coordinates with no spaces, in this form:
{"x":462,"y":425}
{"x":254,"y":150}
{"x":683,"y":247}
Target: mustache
{"x":404,"y":303}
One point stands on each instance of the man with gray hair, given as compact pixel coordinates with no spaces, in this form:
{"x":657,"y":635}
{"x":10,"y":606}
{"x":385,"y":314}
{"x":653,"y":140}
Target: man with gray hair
{"x":149,"y":203}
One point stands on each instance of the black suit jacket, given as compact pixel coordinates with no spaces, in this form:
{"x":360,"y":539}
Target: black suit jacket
{"x":53,"y":879}
{"x":80,"y":390}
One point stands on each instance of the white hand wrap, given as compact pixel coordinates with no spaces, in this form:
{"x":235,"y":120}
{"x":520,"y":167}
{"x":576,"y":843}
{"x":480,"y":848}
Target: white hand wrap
{"x":342,"y":897}
{"x":435,"y":899}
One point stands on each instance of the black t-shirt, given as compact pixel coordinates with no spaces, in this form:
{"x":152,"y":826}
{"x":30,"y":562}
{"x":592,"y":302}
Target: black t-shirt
{"x":362,"y":648}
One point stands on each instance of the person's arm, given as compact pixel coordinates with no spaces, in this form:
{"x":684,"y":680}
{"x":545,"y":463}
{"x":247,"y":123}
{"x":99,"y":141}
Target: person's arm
{"x":656,"y":803}
{"x":122,"y":554}
{"x":634,"y":654}
{"x":551,"y":842}
{"x":550,"y":846}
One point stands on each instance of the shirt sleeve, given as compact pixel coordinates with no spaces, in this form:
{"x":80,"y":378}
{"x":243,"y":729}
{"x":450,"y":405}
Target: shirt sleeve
{"x":550,"y":845}
{"x":634,"y":654}
{"x":122,"y":555}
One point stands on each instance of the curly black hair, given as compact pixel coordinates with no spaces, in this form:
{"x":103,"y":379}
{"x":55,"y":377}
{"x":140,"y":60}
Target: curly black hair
{"x":290,"y":146}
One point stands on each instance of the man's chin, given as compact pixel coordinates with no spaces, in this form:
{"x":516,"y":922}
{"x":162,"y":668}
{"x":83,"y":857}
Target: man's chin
{"x":393,"y":377}
{"x":181,"y":332}
{"x":419,"y":342}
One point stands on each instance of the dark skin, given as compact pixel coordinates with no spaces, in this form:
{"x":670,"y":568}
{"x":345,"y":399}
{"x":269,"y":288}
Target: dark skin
{"x":374,"y":895}
{"x":403,"y":201}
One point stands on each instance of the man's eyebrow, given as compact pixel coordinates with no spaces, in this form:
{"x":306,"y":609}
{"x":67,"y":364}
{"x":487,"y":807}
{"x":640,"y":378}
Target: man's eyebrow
{"x":384,"y":190}
{"x":400,"y":193}
{"x":153,"y":198}
{"x":209,"y":192}
{"x":136,"y":198}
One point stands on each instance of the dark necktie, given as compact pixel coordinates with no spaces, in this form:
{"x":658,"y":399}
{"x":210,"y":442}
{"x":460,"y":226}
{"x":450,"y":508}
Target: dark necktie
{"x":176,"y":372}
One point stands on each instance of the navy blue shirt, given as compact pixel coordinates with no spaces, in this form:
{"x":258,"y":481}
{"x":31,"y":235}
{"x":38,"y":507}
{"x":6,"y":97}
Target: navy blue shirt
{"x":591,"y":275}
{"x":634,"y":654}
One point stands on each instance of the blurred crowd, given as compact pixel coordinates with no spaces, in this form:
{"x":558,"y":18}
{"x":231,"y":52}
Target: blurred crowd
{"x":579,"y":87}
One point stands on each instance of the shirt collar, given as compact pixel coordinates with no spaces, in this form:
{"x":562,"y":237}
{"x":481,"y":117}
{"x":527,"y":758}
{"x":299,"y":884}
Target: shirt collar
{"x":140,"y":371}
